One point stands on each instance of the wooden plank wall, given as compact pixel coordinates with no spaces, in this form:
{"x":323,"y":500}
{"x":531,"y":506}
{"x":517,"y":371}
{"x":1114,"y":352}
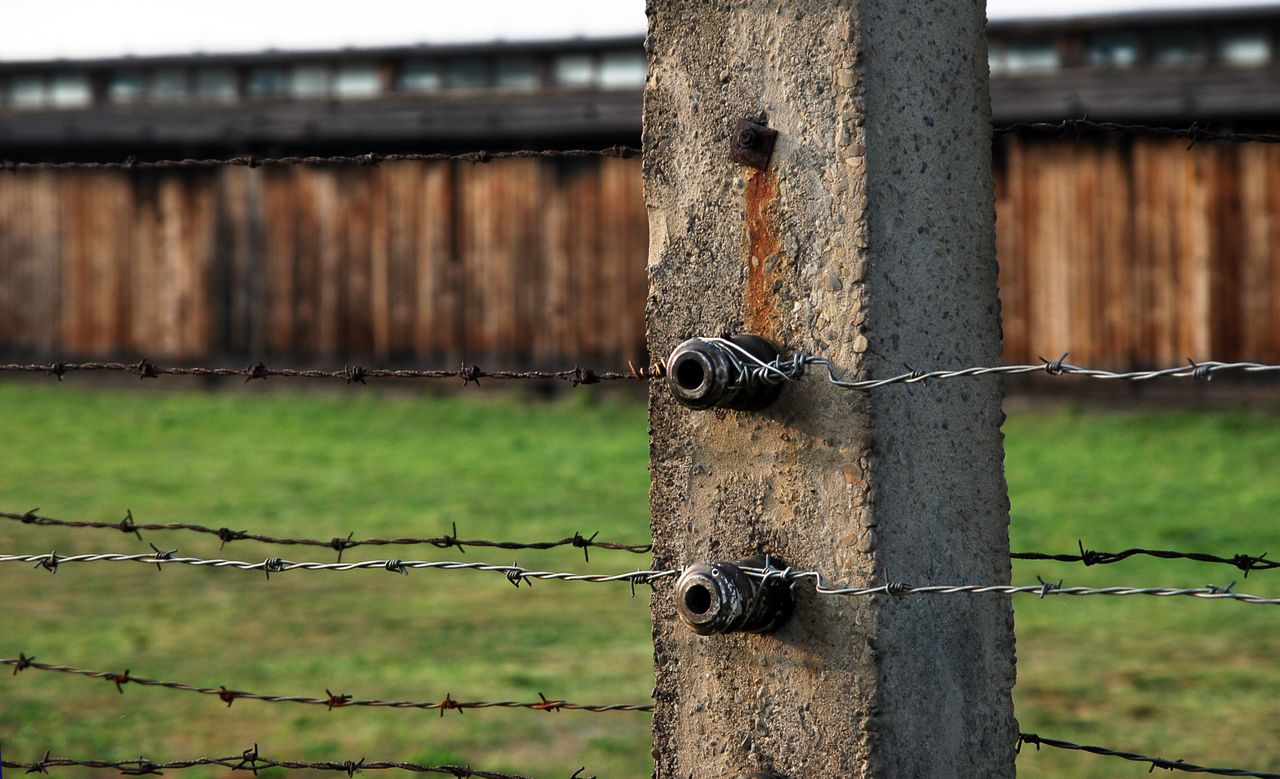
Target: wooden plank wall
{"x":1139,"y":252}
{"x":521,"y":261}
{"x":1124,"y":252}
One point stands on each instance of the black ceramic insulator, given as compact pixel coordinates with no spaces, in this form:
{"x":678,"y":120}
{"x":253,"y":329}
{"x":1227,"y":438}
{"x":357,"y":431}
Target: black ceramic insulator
{"x":702,"y":374}
{"x":721,"y":598}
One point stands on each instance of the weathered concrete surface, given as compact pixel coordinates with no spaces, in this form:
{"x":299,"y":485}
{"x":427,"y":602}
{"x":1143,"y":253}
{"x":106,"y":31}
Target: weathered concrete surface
{"x":870,"y":240}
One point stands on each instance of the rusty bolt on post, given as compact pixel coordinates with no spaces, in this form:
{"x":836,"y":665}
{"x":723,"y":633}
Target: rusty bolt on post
{"x":752,"y":144}
{"x":702,"y":374}
{"x":722,"y":598}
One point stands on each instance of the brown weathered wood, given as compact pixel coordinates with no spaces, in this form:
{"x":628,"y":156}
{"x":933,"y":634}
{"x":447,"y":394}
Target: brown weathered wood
{"x":1119,"y":250}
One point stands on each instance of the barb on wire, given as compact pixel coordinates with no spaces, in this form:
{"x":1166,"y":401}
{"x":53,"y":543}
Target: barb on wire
{"x":352,"y":374}
{"x":750,"y":369}
{"x":1243,"y":562}
{"x":1195,"y":132}
{"x":1043,"y":589}
{"x":52,"y":561}
{"x":1156,"y":762}
{"x":330,"y":700}
{"x":339,"y":544}
{"x":515,"y":574}
{"x":252,"y":760}
{"x":369,"y":159}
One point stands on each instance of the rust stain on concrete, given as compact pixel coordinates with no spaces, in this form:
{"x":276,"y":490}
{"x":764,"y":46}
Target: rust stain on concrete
{"x":764,"y":256}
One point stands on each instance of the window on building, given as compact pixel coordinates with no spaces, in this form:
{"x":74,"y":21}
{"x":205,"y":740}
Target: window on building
{"x":216,"y":84}
{"x":356,"y":80}
{"x":573,"y":70}
{"x":1113,"y":50}
{"x":1030,"y":55}
{"x":419,"y":76}
{"x":125,"y":86}
{"x":168,"y":84}
{"x":621,"y":69}
{"x":516,"y":73}
{"x":27,"y":92}
{"x":1242,"y":47}
{"x":266,"y":81}
{"x":469,"y":73}
{"x":69,"y":90}
{"x":309,"y":81}
{"x":1175,"y":47}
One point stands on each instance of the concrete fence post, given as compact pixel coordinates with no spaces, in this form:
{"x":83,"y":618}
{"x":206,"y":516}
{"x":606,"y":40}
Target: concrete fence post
{"x":869,"y":238}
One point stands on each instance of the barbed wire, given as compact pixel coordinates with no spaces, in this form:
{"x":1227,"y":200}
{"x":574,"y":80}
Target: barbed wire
{"x":749,"y":369}
{"x":1043,"y":589}
{"x":513,"y":573}
{"x":1243,"y":562}
{"x":1195,"y":132}
{"x":251,"y":760}
{"x":1074,"y":127}
{"x":1156,"y":762}
{"x":338,"y":544}
{"x":330,"y":701}
{"x":352,"y":374}
{"x":368,"y":159}
{"x":1246,"y":563}
{"x":518,"y":575}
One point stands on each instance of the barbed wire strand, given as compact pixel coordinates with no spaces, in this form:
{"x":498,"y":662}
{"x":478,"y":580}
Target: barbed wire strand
{"x":1244,"y":562}
{"x":368,"y":159}
{"x":513,"y":573}
{"x":338,"y":544}
{"x":352,"y":374}
{"x":251,"y":760}
{"x":749,"y":369}
{"x":1156,"y":762}
{"x":1043,"y":589}
{"x":517,"y":575}
{"x":330,"y":701}
{"x":1195,"y":132}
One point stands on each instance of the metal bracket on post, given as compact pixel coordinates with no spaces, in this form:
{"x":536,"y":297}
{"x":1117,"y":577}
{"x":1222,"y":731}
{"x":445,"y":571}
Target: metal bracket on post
{"x":752,"y":144}
{"x":702,"y":374}
{"x":722,"y":598}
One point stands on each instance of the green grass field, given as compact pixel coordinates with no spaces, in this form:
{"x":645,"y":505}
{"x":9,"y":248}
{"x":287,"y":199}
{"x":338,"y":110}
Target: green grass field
{"x":1183,"y":678}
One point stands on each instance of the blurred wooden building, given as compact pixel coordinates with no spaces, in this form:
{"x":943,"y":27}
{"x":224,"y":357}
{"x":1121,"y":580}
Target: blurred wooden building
{"x":1124,"y":250}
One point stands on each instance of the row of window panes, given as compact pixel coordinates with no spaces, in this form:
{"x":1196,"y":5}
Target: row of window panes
{"x":609,"y":70}
{"x":1124,"y":49}
{"x":68,"y":90}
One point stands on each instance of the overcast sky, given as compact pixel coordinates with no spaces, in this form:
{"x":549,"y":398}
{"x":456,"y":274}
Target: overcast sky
{"x":40,"y":29}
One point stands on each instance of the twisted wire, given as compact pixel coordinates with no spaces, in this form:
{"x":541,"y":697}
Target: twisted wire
{"x":517,"y":575}
{"x":1156,"y":762}
{"x":1246,"y":563}
{"x":338,"y":544}
{"x":748,"y":367}
{"x":751,"y":369}
{"x":513,"y":573}
{"x":1075,"y":127}
{"x":1243,"y":562}
{"x":352,"y":374}
{"x":330,"y":701}
{"x":1195,"y":132}
{"x":1043,"y":589}
{"x":369,"y":159}
{"x":251,"y":760}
